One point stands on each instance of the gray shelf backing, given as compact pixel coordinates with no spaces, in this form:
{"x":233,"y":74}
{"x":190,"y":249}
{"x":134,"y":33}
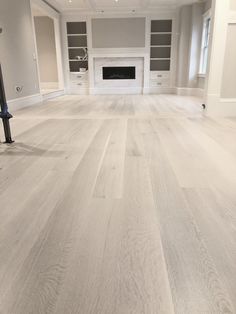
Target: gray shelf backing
{"x":160,"y":65}
{"x":77,"y":41}
{"x":76,"y":65}
{"x":73,"y":53}
{"x":161,"y":26}
{"x":76,"y":28}
{"x":161,"y":39}
{"x":161,"y":52}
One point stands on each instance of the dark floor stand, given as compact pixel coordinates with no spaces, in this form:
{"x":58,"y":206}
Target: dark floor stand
{"x":4,"y":114}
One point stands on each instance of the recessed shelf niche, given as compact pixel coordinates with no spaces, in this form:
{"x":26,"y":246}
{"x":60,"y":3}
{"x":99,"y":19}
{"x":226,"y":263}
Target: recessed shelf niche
{"x":77,"y":42}
{"x":161,"y":40}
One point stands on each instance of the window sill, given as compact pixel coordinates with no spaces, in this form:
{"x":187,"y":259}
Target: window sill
{"x":200,"y":75}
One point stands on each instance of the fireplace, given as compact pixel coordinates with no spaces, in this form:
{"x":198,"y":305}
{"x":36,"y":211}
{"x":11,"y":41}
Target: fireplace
{"x":119,"y":73}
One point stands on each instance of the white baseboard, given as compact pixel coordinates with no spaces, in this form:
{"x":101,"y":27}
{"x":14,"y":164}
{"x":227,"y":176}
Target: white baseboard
{"x":19,"y":103}
{"x":185,"y":91}
{"x":159,"y":90}
{"x":229,"y":106}
{"x":54,"y":94}
{"x":116,"y":91}
{"x":224,"y":107}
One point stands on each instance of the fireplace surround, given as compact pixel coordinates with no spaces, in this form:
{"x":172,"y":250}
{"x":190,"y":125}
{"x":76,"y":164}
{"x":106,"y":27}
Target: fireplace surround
{"x":117,"y":74}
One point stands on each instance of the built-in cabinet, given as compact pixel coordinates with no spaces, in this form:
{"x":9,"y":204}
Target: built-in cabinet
{"x":160,"y":53}
{"x":77,"y":55}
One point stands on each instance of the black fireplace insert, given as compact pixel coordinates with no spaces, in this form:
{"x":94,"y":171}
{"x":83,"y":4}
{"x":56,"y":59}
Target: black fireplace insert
{"x":119,"y":73}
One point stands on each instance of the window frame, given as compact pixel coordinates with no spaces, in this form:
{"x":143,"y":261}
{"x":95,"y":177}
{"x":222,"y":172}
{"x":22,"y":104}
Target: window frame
{"x":207,"y":21}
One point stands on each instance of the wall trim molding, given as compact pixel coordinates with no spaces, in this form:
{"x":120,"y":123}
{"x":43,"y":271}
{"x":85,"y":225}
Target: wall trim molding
{"x":22,"y":102}
{"x":227,"y":107}
{"x":223,"y":107}
{"x":159,"y":90}
{"x":53,"y":94}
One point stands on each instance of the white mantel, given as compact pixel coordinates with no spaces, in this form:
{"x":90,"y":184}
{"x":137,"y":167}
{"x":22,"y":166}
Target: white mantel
{"x":138,"y":86}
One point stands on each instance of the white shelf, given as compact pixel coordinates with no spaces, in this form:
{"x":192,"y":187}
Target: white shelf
{"x":79,"y":73}
{"x":161,"y":46}
{"x":69,"y":35}
{"x":164,"y":33}
{"x":160,"y":58}
{"x":78,"y":60}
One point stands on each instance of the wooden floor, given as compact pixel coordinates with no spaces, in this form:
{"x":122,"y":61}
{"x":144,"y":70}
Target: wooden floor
{"x":118,"y":205}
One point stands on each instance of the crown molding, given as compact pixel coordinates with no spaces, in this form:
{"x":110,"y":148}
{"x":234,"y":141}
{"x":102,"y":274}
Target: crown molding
{"x":135,"y":12}
{"x":144,"y":7}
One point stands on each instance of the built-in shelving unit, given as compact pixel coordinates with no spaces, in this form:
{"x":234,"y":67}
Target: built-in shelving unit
{"x":161,"y":39}
{"x":77,"y":42}
{"x":160,"y":53}
{"x":78,"y":62}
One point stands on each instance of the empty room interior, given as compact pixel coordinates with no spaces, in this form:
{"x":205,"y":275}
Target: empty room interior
{"x":118,"y":157}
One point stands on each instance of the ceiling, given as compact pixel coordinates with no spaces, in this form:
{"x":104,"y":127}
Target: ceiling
{"x":116,"y":5}
{"x":38,"y":12}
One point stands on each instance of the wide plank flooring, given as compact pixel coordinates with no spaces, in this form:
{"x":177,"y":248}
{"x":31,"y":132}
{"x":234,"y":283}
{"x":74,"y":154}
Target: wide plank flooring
{"x":118,"y":205}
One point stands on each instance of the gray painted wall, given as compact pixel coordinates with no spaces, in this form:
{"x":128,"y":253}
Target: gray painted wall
{"x":207,"y":5}
{"x":229,"y":76}
{"x":17,"y":48}
{"x":46,"y":47}
{"x":118,"y":32}
{"x":184,"y":45}
{"x":189,"y":48}
{"x":196,"y":42}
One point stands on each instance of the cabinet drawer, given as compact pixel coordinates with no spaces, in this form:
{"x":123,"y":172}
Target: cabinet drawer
{"x":160,"y":83}
{"x":75,"y":85}
{"x":79,"y":77}
{"x":159,"y":75}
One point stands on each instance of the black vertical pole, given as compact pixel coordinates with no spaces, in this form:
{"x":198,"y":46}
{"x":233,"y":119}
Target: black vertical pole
{"x":4,"y":114}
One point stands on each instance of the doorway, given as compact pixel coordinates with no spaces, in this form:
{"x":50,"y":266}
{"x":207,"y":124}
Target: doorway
{"x":48,"y":51}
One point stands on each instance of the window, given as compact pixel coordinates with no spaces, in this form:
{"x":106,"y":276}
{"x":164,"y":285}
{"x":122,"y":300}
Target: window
{"x":205,"y":44}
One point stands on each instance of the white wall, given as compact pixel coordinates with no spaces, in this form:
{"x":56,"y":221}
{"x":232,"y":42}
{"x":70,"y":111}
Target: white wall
{"x":220,"y":93}
{"x":228,"y":88}
{"x":46,"y":47}
{"x":233,"y":5}
{"x":17,"y":48}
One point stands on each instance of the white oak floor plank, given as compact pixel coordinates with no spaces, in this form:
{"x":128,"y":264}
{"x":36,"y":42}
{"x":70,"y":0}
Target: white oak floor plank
{"x":195,"y":284}
{"x":119,"y":204}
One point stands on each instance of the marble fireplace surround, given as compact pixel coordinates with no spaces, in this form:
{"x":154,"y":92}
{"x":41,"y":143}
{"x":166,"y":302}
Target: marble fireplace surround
{"x":100,"y":86}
